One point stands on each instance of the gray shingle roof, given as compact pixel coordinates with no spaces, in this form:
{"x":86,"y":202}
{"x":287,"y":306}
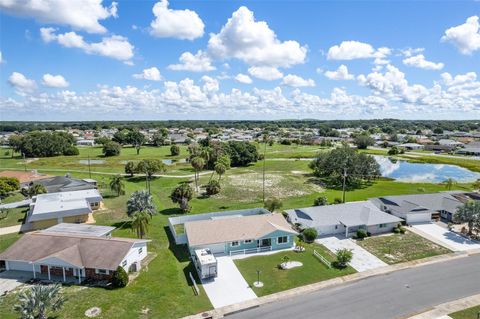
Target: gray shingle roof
{"x":349,"y":214}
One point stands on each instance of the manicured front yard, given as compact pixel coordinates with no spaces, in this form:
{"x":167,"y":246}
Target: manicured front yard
{"x":276,"y":279}
{"x":13,"y":216}
{"x":470,"y":313}
{"x":397,"y":248}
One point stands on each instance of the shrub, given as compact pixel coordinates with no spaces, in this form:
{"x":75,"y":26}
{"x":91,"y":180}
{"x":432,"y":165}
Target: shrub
{"x":403,"y":230}
{"x":361,"y":234}
{"x":272,"y":204}
{"x":310,"y":234}
{"x":174,"y":150}
{"x":396,"y":230}
{"x":320,"y":201}
{"x":130,"y":168}
{"x":71,"y":151}
{"x":337,"y":201}
{"x":344,"y":256}
{"x":120,"y":278}
{"x":213,"y":187}
{"x":111,"y":149}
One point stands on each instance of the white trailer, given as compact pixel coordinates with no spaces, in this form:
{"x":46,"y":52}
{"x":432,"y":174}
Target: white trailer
{"x":205,"y":263}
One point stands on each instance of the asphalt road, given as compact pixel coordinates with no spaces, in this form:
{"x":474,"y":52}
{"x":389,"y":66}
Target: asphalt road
{"x":395,"y":295}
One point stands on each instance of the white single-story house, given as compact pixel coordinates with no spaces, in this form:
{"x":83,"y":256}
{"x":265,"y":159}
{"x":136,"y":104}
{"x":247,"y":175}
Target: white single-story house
{"x":84,"y":253}
{"x":54,"y":208}
{"x":239,"y":234}
{"x":343,"y":219}
{"x":420,"y":208}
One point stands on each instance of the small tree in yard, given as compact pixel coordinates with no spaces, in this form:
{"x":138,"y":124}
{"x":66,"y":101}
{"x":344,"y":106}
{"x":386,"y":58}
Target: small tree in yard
{"x":174,"y":150}
{"x":320,"y":201}
{"x":469,"y":213}
{"x":213,"y":187}
{"x":117,"y":185}
{"x":220,"y":169}
{"x":38,"y":299}
{"x":344,"y":256}
{"x":272,"y":204}
{"x":361,"y":234}
{"x":120,"y":277}
{"x":140,"y":201}
{"x":309,"y":234}
{"x":198,"y":163}
{"x":35,"y":189}
{"x":181,"y":195}
{"x":130,"y":168}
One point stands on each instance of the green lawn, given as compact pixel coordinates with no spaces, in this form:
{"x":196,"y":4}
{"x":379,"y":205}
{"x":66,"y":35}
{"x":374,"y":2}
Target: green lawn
{"x":165,"y":288}
{"x":13,"y":216}
{"x":276,"y":279}
{"x":470,"y":313}
{"x":397,"y":248}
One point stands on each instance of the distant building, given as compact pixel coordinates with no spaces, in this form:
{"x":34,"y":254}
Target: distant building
{"x":411,"y":146}
{"x":66,"y":184}
{"x":84,"y":142}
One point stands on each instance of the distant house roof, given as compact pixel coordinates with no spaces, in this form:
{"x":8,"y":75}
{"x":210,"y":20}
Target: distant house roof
{"x":54,"y":205}
{"x":79,"y":251}
{"x":24,"y":177}
{"x":234,"y":228}
{"x":348,"y":214}
{"x":420,"y":203}
{"x":80,"y":229}
{"x":64,"y":184}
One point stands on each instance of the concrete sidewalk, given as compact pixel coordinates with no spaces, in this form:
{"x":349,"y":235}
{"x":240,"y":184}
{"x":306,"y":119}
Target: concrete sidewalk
{"x":10,"y":230}
{"x":442,"y":311}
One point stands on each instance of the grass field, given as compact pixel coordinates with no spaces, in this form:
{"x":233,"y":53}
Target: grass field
{"x":470,"y":313}
{"x":276,"y":279}
{"x":165,"y":288}
{"x":397,"y":248}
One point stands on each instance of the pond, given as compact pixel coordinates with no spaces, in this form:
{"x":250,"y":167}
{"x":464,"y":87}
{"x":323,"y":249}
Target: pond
{"x":404,"y":171}
{"x":92,"y":162}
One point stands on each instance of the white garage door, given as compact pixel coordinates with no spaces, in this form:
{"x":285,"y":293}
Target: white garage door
{"x":19,"y":265}
{"x":419,"y":218}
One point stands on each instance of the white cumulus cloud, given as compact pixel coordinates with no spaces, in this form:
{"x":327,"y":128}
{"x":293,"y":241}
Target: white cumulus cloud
{"x":466,"y":37}
{"x":180,"y":24}
{"x":340,"y":74}
{"x":150,"y":74}
{"x":449,"y":80}
{"x":200,"y":62}
{"x":266,"y":73}
{"x":21,"y":83}
{"x":419,"y":61}
{"x":54,"y":81}
{"x":81,"y":15}
{"x":243,"y":78}
{"x":297,"y":81}
{"x":351,"y":50}
{"x":115,"y":46}
{"x":254,"y":43}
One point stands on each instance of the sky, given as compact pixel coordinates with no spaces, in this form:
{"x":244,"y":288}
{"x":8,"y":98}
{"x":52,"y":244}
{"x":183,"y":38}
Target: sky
{"x":81,"y":60}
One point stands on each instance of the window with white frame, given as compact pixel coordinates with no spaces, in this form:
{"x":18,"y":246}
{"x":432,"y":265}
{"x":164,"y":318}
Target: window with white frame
{"x":101,"y":271}
{"x":235,"y":243}
{"x":140,"y":250}
{"x":282,"y":240}
{"x":247,"y":241}
{"x":124,"y":263}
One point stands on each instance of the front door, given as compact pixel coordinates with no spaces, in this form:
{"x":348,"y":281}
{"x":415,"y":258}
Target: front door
{"x":266,"y":242}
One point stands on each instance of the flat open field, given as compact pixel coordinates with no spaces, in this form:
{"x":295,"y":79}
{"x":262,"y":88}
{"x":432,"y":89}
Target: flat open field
{"x":164,"y":291}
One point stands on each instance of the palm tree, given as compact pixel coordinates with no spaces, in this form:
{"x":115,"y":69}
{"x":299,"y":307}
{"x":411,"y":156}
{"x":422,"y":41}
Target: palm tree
{"x":140,"y":201}
{"x":35,"y":189}
{"x":220,"y":169}
{"x":117,"y":185}
{"x":197,"y":163}
{"x":140,"y":223}
{"x":34,"y":302}
{"x":181,"y":195}
{"x":449,"y":183}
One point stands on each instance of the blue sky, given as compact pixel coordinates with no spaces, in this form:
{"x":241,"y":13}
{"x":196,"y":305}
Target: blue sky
{"x":94,"y":60}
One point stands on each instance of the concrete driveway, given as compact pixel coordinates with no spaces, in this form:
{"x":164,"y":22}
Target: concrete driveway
{"x":362,"y":260}
{"x":229,"y":287}
{"x":444,"y":237}
{"x":11,"y":279}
